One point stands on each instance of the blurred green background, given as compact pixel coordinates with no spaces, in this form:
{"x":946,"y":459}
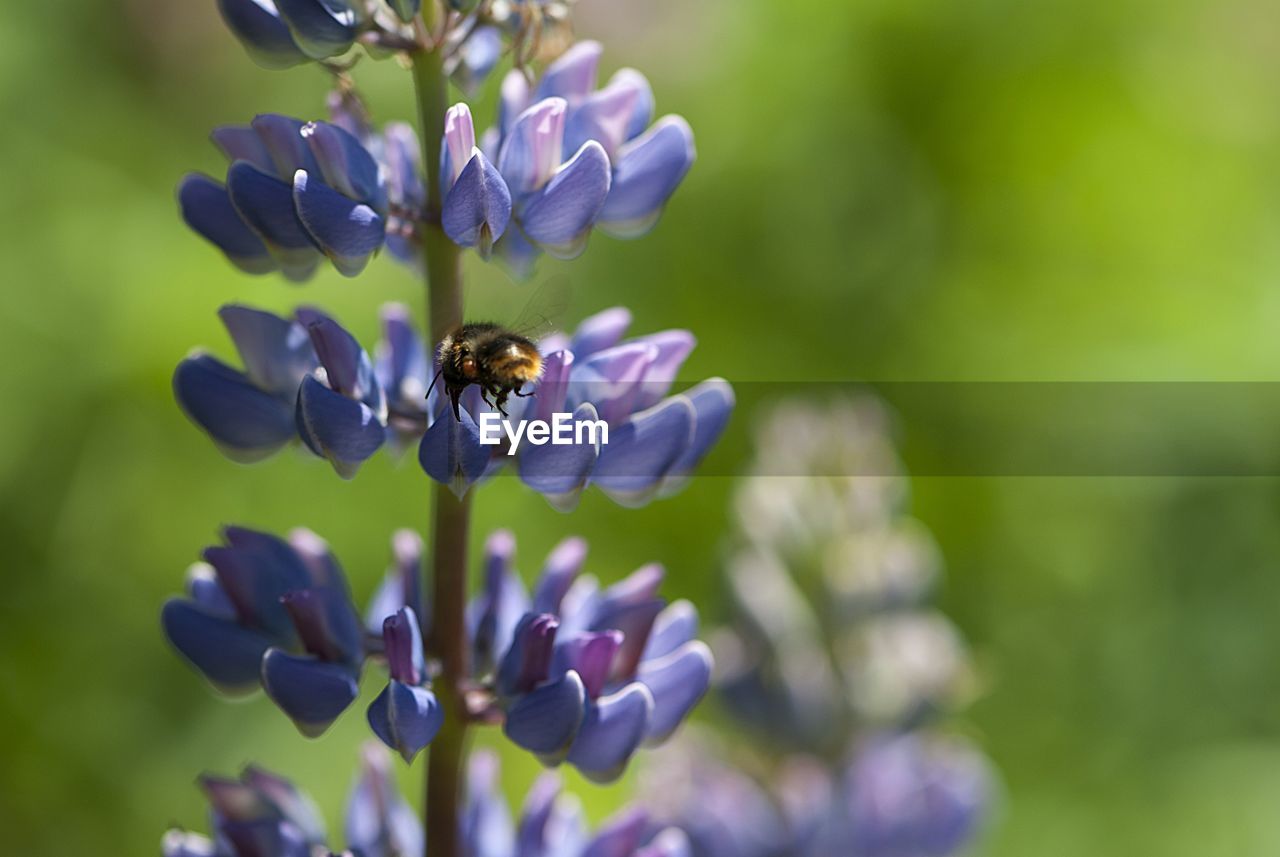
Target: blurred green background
{"x":907,"y":190}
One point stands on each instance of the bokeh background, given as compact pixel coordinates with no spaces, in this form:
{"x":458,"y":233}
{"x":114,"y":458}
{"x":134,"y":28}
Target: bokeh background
{"x":887,"y":189}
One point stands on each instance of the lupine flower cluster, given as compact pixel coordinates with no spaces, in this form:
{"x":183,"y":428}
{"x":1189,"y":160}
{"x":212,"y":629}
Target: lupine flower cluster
{"x":573,"y":671}
{"x":306,"y":378}
{"x":260,"y":814}
{"x":835,"y":660}
{"x":576,"y":672}
{"x":561,"y":158}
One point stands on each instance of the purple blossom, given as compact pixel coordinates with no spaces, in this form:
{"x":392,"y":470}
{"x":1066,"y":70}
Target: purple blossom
{"x":655,"y":439}
{"x":584,"y":674}
{"x":406,"y":715}
{"x":304,"y":377}
{"x":295,"y":191}
{"x":262,"y":610}
{"x":620,"y":170}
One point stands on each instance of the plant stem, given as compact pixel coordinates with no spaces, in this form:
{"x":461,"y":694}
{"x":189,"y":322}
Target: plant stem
{"x":450,"y":525}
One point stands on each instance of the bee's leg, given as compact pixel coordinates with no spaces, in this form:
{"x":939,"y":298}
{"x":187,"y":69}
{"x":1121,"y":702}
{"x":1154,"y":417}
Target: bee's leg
{"x":484,"y":395}
{"x":522,"y":395}
{"x":501,"y":401}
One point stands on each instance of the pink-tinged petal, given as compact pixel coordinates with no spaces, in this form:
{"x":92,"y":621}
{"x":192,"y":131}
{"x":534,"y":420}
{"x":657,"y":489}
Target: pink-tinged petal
{"x":573,"y":74}
{"x":560,"y":217}
{"x":610,"y":379}
{"x":534,"y":147}
{"x":673,"y":347}
{"x":605,"y":115}
{"x":600,"y":331}
{"x":459,"y":141}
{"x":647,"y":172}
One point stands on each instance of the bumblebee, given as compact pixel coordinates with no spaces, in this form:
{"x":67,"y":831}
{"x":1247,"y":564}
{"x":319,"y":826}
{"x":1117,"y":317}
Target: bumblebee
{"x":500,"y":360}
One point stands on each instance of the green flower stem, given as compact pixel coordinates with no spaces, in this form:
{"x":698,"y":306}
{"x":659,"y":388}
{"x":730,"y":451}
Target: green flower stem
{"x":451,"y":523}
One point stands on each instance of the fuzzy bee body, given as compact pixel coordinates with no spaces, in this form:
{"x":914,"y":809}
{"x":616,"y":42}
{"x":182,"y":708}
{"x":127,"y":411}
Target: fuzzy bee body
{"x":497,"y":359}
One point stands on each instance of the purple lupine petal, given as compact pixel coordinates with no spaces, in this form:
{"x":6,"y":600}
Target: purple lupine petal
{"x":321,"y":28}
{"x":459,"y":143}
{"x":327,"y":623}
{"x":513,"y":99}
{"x":477,"y":58}
{"x":402,"y":586}
{"x":644,"y":449}
{"x":676,"y":625}
{"x":405,"y":10}
{"x":492,"y":616}
{"x":527,"y":662}
{"x":517,"y":254}
{"x":345,"y":164}
{"x":642,"y":113}
{"x":281,"y":136}
{"x":638,"y":587}
{"x":612,"y":728}
{"x":263,"y":837}
{"x":478,"y":206}
{"x":560,"y":472}
{"x":635,"y":621}
{"x":451,"y":452}
{"x":713,"y":401}
{"x":605,"y":115}
{"x":561,"y":568}
{"x":342,"y":430}
{"x":276,"y":352}
{"x":487,"y":830}
{"x":620,"y":835}
{"x":223,"y":651}
{"x":207,"y":593}
{"x":402,"y":154}
{"x":179,"y":843}
{"x":348,"y":232}
{"x":294,"y":806}
{"x":610,"y":379}
{"x":257,"y":25}
{"x":673,"y":347}
{"x":246,"y":423}
{"x":265,"y":203}
{"x":591,"y":656}
{"x":255,"y":569}
{"x":573,"y":74}
{"x":402,"y":642}
{"x":347,"y":366}
{"x":546,"y":720}
{"x":243,"y":143}
{"x":912,"y":794}
{"x":552,"y":388}
{"x":645,"y":174}
{"x":559,"y":219}
{"x":322,"y":566}
{"x":603,"y":330}
{"x":670,"y":842}
{"x":405,"y":718}
{"x":379,"y":822}
{"x":533,"y":148}
{"x":207,"y":209}
{"x":536,"y":814}
{"x":677,"y":681}
{"x":401,"y":355}
{"x":312,"y":692}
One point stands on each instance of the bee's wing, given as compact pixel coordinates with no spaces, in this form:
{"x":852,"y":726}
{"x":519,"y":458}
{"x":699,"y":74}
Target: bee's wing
{"x":545,"y":309}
